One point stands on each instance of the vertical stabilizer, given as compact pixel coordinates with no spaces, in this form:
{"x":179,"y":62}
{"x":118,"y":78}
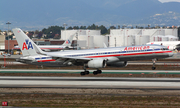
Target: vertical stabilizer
{"x":105,"y":46}
{"x":68,"y":42}
{"x":26,"y":45}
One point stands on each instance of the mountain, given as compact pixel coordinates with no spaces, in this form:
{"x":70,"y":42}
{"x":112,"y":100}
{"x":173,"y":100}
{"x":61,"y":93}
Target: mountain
{"x":38,"y":14}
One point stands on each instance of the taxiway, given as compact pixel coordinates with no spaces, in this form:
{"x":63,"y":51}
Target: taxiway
{"x":89,"y":82}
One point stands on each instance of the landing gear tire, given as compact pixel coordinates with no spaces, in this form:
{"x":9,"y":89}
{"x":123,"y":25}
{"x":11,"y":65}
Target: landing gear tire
{"x":95,"y":72}
{"x":85,"y":73}
{"x":153,"y":68}
{"x":99,"y":71}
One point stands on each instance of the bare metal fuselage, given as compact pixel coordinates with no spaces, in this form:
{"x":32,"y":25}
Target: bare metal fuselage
{"x":130,"y":53}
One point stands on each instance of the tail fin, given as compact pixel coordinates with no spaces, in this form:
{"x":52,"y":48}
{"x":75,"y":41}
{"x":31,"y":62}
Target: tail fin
{"x":68,"y":42}
{"x":105,"y":46}
{"x":26,"y":45}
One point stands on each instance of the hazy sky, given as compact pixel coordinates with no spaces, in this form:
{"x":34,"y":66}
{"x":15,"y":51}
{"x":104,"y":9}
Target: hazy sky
{"x":169,"y":0}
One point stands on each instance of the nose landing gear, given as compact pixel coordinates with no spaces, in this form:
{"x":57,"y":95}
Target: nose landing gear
{"x":154,"y":63}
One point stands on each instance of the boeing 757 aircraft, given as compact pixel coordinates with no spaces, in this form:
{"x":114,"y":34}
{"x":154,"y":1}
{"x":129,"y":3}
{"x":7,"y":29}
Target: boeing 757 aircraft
{"x":91,"y":58}
{"x":64,"y":46}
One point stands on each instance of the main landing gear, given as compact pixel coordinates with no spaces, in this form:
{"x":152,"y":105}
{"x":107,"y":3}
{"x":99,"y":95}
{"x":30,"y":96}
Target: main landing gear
{"x":97,"y":72}
{"x":87,"y":72}
{"x":154,"y":62}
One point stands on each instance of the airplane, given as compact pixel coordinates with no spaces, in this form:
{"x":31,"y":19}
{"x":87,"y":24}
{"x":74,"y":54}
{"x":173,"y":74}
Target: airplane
{"x":172,"y":45}
{"x":90,"y":58}
{"x":66,"y":45}
{"x":6,"y":55}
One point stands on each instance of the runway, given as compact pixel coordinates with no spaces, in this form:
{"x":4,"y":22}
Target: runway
{"x":90,"y":82}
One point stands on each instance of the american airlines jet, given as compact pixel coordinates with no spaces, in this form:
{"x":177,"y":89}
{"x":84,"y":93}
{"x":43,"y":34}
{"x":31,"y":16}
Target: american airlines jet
{"x":64,"y":46}
{"x":91,"y":58}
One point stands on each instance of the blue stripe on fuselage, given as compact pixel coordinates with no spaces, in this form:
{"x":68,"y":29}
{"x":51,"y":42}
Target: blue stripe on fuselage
{"x":116,"y":52}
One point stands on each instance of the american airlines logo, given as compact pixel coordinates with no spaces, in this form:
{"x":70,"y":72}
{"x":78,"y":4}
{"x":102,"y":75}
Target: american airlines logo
{"x":136,"y":48}
{"x":27,"y":45}
{"x":19,"y":31}
{"x":68,"y":41}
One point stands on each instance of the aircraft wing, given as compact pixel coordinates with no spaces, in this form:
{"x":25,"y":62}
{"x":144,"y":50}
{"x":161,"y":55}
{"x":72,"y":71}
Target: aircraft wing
{"x":67,"y":59}
{"x":62,"y":57}
{"x":71,"y":58}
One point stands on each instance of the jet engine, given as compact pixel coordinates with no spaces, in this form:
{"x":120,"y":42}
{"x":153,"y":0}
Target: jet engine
{"x":99,"y":63}
{"x":46,"y":50}
{"x":118,"y":64}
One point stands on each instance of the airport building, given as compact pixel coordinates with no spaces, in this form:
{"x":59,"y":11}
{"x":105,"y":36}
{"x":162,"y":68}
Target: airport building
{"x":119,"y":37}
{"x":86,"y":39}
{"x":2,"y":42}
{"x":128,"y":37}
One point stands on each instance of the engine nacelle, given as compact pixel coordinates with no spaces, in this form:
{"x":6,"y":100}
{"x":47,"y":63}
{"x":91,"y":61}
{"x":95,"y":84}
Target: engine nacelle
{"x":46,"y":50}
{"x":118,"y":64}
{"x":26,"y":59}
{"x":99,"y":63}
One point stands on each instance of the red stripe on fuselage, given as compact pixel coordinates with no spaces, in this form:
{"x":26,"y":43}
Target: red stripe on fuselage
{"x":128,"y":54}
{"x":43,"y":48}
{"x":46,"y":60}
{"x":51,"y":48}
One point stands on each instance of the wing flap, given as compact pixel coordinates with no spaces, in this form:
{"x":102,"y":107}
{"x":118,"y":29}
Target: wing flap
{"x":71,"y":58}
